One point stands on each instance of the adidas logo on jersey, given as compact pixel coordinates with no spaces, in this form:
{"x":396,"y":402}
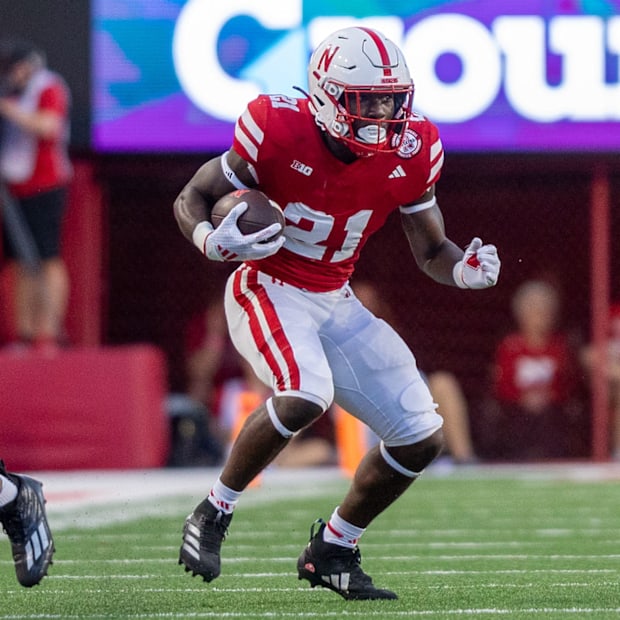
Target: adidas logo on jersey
{"x":297,"y":165}
{"x":397,"y":173}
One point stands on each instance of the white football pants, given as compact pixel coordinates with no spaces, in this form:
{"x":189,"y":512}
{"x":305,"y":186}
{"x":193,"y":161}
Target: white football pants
{"x":327,"y":347}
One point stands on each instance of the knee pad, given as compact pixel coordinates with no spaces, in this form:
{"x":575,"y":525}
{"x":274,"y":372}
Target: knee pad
{"x":424,"y":456}
{"x":394,"y":464}
{"x":290,"y":429}
{"x":275,"y":420}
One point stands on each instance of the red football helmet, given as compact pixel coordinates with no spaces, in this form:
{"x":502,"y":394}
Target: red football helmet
{"x":348,"y":68}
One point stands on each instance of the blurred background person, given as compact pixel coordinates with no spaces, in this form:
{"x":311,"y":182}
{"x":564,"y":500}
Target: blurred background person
{"x":535,"y":410}
{"x":612,"y":369}
{"x":35,"y":171}
{"x":210,"y":362}
{"x":199,"y":437}
{"x":454,"y":408}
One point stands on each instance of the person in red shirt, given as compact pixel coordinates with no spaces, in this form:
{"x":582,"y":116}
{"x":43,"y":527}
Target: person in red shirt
{"x":35,"y":170}
{"x":535,"y":382}
{"x":339,"y":161}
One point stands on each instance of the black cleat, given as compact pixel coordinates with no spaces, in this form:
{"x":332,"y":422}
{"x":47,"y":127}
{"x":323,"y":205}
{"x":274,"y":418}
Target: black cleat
{"x":337,"y":568}
{"x":203,"y":533}
{"x":25,"y":523}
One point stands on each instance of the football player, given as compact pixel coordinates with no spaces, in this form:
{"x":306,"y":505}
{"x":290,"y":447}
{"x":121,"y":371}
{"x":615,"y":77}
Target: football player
{"x":338,"y":160}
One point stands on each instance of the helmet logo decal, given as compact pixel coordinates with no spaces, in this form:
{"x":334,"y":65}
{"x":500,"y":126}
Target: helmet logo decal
{"x":327,"y":57}
{"x":410,"y":144}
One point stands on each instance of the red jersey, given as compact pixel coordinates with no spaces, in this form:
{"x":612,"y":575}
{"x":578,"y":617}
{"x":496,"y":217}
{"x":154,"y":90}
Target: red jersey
{"x":43,"y":164}
{"x":331,"y":207}
{"x":521,"y":368}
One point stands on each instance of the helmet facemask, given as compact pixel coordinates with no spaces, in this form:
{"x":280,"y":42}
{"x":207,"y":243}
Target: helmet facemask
{"x":368,"y":134}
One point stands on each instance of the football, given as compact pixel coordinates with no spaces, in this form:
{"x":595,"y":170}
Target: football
{"x":261,"y":211}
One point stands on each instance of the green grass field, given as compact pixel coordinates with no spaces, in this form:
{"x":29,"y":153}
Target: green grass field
{"x":471,"y":545}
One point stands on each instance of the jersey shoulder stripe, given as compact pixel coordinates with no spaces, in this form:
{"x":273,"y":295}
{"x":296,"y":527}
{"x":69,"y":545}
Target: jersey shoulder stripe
{"x":286,"y":119}
{"x":249,"y":134}
{"x":437,"y":157}
{"x":422,"y":153}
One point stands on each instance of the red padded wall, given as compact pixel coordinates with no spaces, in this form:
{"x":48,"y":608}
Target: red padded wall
{"x":85,"y":408}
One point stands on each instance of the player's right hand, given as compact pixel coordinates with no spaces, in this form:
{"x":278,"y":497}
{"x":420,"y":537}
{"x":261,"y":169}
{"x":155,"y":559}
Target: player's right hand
{"x":228,"y":243}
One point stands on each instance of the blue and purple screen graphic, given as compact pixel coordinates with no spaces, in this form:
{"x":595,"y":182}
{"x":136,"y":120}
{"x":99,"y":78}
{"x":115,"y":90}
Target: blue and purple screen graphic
{"x":500,"y":76}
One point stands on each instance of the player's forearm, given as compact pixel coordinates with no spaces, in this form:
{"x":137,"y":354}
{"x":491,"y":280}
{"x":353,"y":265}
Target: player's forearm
{"x":190,"y":208}
{"x":438,"y":263}
{"x":434,"y":253}
{"x":194,"y":203}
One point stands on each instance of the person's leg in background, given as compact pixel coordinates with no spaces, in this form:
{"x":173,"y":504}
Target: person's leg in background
{"x":55,"y":296}
{"x":41,"y":296}
{"x":452,"y":406}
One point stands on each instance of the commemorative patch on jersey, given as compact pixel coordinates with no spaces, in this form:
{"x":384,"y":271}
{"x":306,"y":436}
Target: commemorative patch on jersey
{"x":411,"y":144}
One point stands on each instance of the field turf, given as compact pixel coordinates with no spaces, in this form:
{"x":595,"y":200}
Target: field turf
{"x":472,"y":544}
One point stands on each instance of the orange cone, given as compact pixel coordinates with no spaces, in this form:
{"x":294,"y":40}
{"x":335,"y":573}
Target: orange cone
{"x":248,"y":402}
{"x":350,"y":440}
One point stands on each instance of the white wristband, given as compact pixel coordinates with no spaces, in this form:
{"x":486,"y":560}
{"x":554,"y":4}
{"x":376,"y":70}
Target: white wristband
{"x":229,"y":173}
{"x":201,"y":232}
{"x":457,"y":275}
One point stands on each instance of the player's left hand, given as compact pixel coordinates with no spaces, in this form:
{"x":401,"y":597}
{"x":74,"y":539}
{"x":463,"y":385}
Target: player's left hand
{"x":479,"y":267}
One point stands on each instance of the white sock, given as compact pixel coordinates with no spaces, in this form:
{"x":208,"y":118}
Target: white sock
{"x":223,"y":497}
{"x":341,"y":532}
{"x":8,"y":492}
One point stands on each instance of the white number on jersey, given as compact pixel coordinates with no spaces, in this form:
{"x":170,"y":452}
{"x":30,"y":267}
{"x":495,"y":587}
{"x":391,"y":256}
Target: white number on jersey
{"x":282,"y":101}
{"x":320,"y":236}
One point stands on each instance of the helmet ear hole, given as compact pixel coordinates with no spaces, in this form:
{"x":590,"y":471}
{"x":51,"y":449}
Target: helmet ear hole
{"x":340,"y":128}
{"x":333,"y":90}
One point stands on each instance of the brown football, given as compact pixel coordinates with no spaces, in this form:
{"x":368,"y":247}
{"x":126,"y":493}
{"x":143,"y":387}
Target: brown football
{"x":261,"y":211}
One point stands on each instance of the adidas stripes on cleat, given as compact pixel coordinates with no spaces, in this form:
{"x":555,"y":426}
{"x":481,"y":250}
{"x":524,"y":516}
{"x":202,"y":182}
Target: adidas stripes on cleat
{"x":203,"y":534}
{"x":25,"y":523}
{"x":337,"y":568}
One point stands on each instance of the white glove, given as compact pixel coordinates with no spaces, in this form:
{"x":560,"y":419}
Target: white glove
{"x":228,"y":243}
{"x":479,"y":267}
